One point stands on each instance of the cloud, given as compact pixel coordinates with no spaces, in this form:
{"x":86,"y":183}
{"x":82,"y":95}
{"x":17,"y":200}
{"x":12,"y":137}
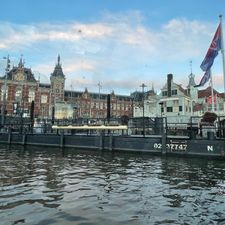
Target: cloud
{"x":218,"y":82}
{"x":120,"y":50}
{"x":183,"y":38}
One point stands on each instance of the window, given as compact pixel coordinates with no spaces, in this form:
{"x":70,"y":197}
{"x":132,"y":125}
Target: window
{"x":174,"y":92}
{"x":164,"y":93}
{"x":6,"y":94}
{"x":18,"y":95}
{"x":169,"y":109}
{"x":176,"y":103}
{"x":44,"y":98}
{"x":220,"y":106}
{"x":180,"y":108}
{"x":15,"y":108}
{"x":31,"y":96}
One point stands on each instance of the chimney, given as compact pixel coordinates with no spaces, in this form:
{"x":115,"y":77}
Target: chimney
{"x":169,"y":83}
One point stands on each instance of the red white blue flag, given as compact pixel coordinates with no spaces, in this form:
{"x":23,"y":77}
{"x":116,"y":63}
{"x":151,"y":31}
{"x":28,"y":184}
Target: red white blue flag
{"x":204,"y":79}
{"x":211,"y":54}
{"x":213,"y":50}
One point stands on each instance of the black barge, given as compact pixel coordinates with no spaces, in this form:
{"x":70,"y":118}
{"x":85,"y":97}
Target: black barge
{"x":152,"y":135}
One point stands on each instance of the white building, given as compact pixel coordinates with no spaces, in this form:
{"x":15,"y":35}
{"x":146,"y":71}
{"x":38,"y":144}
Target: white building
{"x":179,"y":104}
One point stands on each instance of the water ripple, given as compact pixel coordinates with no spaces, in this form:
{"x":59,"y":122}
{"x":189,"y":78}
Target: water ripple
{"x":52,"y":186}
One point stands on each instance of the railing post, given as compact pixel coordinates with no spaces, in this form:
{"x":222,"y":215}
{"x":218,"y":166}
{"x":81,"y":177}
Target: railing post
{"x":9,"y":135}
{"x":101,"y":141}
{"x":62,"y":139}
{"x":164,"y":135}
{"x":110,"y":142}
{"x":24,"y":138}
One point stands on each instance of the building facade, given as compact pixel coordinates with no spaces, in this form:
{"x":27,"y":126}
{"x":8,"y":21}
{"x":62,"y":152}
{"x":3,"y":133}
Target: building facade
{"x":178,"y":104}
{"x":18,"y":88}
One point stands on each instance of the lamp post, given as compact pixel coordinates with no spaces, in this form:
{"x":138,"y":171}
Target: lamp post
{"x":143,"y":115}
{"x":99,"y":89}
{"x":21,"y":113}
{"x":3,"y":108}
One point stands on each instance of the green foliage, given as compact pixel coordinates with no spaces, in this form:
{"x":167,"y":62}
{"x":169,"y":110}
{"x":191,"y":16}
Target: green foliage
{"x":209,"y":117}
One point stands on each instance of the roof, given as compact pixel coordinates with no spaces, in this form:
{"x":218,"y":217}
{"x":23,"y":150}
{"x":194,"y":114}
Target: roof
{"x":137,"y":96}
{"x":198,"y":107}
{"x":207,"y":92}
{"x":29,"y":76}
{"x":58,"y":72}
{"x":95,"y":95}
{"x":184,"y":91}
{"x":42,"y":85}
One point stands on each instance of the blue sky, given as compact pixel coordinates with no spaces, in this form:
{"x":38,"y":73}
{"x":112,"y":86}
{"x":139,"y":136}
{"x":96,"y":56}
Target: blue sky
{"x":120,"y":43}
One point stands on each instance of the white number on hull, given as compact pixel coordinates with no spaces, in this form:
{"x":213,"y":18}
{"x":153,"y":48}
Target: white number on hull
{"x":171,"y":147}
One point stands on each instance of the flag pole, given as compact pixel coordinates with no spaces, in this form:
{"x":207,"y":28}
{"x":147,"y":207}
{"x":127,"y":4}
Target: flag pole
{"x":222,"y":51}
{"x":212,"y":94}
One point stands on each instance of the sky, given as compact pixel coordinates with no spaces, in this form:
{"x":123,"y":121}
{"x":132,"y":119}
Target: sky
{"x":119,"y":43}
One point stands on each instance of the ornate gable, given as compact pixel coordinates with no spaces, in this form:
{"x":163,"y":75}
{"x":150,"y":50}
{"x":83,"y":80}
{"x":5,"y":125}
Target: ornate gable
{"x":20,"y":73}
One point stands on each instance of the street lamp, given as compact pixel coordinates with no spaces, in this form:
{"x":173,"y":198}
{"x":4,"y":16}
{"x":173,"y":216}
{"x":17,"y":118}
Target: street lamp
{"x":3,"y":108}
{"x":99,"y":88}
{"x":143,"y":99}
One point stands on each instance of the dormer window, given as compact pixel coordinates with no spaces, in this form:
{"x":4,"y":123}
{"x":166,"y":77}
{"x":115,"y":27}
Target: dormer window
{"x":174,"y":92}
{"x":164,"y":93}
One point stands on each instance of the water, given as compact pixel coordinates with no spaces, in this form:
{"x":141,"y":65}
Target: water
{"x":50,"y":186}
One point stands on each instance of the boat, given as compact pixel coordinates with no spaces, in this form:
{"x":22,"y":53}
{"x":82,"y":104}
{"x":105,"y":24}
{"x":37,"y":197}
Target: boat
{"x":155,"y":137}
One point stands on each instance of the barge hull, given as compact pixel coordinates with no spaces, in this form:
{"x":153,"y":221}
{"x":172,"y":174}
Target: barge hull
{"x":152,"y":144}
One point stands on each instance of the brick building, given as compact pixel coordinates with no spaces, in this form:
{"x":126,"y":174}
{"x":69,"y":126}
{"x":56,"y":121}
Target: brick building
{"x":18,"y":88}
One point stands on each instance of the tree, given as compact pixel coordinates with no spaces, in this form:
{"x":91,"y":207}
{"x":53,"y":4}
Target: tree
{"x":209,"y":117}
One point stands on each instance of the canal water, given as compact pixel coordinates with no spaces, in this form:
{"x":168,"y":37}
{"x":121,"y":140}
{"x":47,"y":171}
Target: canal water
{"x":45,"y":186}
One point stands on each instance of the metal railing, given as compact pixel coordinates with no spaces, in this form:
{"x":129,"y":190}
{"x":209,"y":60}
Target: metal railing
{"x":194,"y":129}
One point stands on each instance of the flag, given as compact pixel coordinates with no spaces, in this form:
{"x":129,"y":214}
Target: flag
{"x":204,"y":79}
{"x":213,"y":50}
